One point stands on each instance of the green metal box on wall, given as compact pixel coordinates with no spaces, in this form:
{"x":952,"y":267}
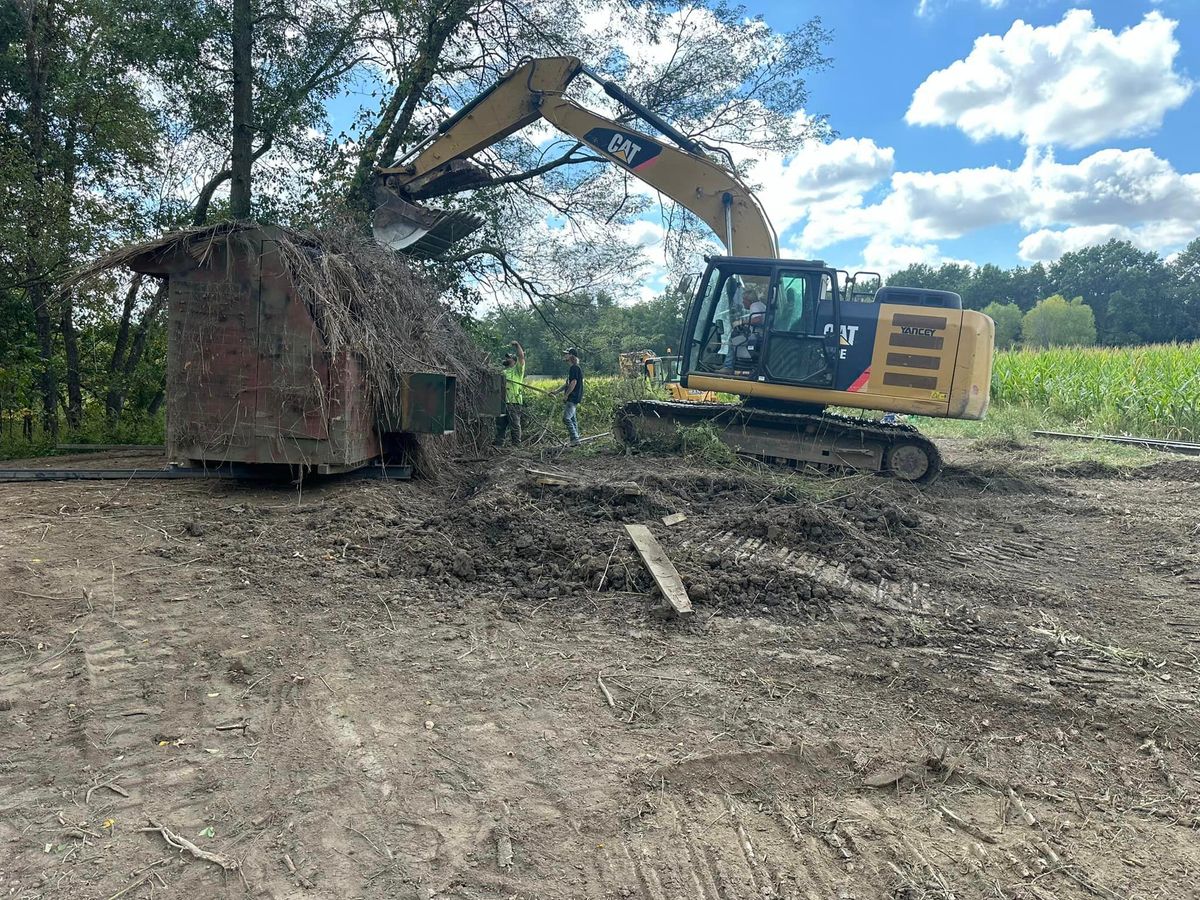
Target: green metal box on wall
{"x":425,"y":405}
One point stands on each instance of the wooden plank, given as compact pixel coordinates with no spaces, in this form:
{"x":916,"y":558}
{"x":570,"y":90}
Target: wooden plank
{"x":674,"y":518}
{"x":554,"y":479}
{"x":660,"y":566}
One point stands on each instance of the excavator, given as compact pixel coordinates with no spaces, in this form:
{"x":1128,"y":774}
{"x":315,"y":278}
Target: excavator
{"x":791,"y":337}
{"x":662,"y":374}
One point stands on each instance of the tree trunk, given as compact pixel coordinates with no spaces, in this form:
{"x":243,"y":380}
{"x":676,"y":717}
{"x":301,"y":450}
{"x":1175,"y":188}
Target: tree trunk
{"x":122,"y":370}
{"x":71,"y":346}
{"x":47,"y":383}
{"x":241,"y":158}
{"x":116,"y":388}
{"x":156,"y":403}
{"x":37,"y":35}
{"x":394,"y":123}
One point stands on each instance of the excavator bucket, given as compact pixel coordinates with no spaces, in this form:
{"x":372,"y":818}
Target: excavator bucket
{"x":418,"y":230}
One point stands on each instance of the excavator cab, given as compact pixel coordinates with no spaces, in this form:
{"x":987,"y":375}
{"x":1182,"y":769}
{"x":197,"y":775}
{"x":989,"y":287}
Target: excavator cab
{"x":765,"y":321}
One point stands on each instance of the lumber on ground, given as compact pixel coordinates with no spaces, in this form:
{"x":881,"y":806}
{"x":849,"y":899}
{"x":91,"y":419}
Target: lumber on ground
{"x":660,"y":567}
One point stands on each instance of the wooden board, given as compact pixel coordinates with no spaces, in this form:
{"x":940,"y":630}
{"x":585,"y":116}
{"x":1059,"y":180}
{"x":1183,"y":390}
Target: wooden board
{"x":674,"y":518}
{"x":661,"y":567}
{"x":550,"y":478}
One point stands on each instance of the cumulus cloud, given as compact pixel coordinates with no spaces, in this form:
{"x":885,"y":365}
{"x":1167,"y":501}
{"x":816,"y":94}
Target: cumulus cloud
{"x":835,"y":174}
{"x":1072,"y":83}
{"x":1131,"y":195}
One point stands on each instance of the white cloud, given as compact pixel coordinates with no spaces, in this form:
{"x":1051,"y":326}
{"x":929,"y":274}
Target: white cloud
{"x":838,"y":173}
{"x":1131,"y":195}
{"x":927,"y":8}
{"x":1071,"y":83}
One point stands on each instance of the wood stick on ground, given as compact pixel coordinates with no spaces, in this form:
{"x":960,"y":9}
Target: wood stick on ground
{"x":38,"y":665}
{"x":133,"y":884}
{"x":182,"y":843}
{"x":1160,"y":762}
{"x":604,"y":574}
{"x":604,"y":688}
{"x":115,"y":788}
{"x":660,"y":567}
{"x":963,"y":825}
{"x":389,"y":612}
{"x":1019,"y":805}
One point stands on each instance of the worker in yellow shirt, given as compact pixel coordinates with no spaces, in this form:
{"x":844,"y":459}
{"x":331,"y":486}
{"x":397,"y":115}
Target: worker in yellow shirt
{"x":514,"y":395}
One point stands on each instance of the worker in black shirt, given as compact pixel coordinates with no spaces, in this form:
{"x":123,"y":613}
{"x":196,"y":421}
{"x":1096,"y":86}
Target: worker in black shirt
{"x":572,"y":391}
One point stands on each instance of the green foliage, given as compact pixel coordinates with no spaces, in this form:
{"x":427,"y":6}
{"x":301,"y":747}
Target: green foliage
{"x":703,"y":441}
{"x":1117,"y":267}
{"x":980,"y":286}
{"x":597,"y":325}
{"x":1146,"y":391}
{"x":95,"y":429}
{"x":601,"y":397}
{"x":1134,"y":296}
{"x":1007,"y":317}
{"x":1058,"y":322}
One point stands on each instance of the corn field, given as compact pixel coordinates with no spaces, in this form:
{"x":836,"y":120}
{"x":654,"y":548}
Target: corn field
{"x":1151,"y":391}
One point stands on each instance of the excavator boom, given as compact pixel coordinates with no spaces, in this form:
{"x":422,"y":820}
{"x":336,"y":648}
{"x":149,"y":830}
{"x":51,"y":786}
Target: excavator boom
{"x":536,"y":90}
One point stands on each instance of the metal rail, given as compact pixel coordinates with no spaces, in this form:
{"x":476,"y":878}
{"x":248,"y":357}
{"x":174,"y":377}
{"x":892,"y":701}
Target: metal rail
{"x":1184,"y":447}
{"x":243,"y":473}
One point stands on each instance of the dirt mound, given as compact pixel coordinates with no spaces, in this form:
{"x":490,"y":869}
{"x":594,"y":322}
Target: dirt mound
{"x":757,"y":549}
{"x":1173,"y":470}
{"x":992,"y":478}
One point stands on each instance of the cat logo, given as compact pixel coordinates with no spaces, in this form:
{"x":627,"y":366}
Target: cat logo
{"x":845,"y":338}
{"x":623,"y":147}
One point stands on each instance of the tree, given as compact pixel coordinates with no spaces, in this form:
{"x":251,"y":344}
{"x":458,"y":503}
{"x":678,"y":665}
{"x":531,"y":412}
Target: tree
{"x":1027,"y":285}
{"x":716,"y":74}
{"x":987,"y":285}
{"x":1056,"y":322}
{"x":1185,"y":289}
{"x":76,"y":136}
{"x":1096,"y":273}
{"x":1007,"y":317}
{"x":245,"y":83}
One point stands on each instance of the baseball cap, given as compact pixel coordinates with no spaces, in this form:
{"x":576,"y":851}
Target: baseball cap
{"x":571,"y":351}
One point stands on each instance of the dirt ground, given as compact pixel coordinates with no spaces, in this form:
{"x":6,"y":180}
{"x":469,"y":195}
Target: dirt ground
{"x":984,"y":688}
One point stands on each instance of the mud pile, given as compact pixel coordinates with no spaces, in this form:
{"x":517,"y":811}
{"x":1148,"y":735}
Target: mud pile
{"x":746,"y":545}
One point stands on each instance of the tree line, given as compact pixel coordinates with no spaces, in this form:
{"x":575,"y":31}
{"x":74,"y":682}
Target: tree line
{"x":121,"y":119}
{"x":1111,"y":293}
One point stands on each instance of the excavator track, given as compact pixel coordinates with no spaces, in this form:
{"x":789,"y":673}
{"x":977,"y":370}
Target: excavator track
{"x":792,"y":438}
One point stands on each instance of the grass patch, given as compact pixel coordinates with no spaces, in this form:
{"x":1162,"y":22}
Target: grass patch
{"x":95,"y":430}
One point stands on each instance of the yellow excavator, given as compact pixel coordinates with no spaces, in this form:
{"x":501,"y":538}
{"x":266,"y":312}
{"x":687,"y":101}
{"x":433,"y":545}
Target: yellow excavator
{"x":791,"y":337}
{"x":661,"y":372}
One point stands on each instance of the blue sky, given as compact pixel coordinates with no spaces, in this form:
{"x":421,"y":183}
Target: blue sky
{"x":884,"y":50}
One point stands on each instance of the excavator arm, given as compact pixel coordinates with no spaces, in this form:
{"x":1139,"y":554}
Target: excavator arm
{"x":536,"y":90}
